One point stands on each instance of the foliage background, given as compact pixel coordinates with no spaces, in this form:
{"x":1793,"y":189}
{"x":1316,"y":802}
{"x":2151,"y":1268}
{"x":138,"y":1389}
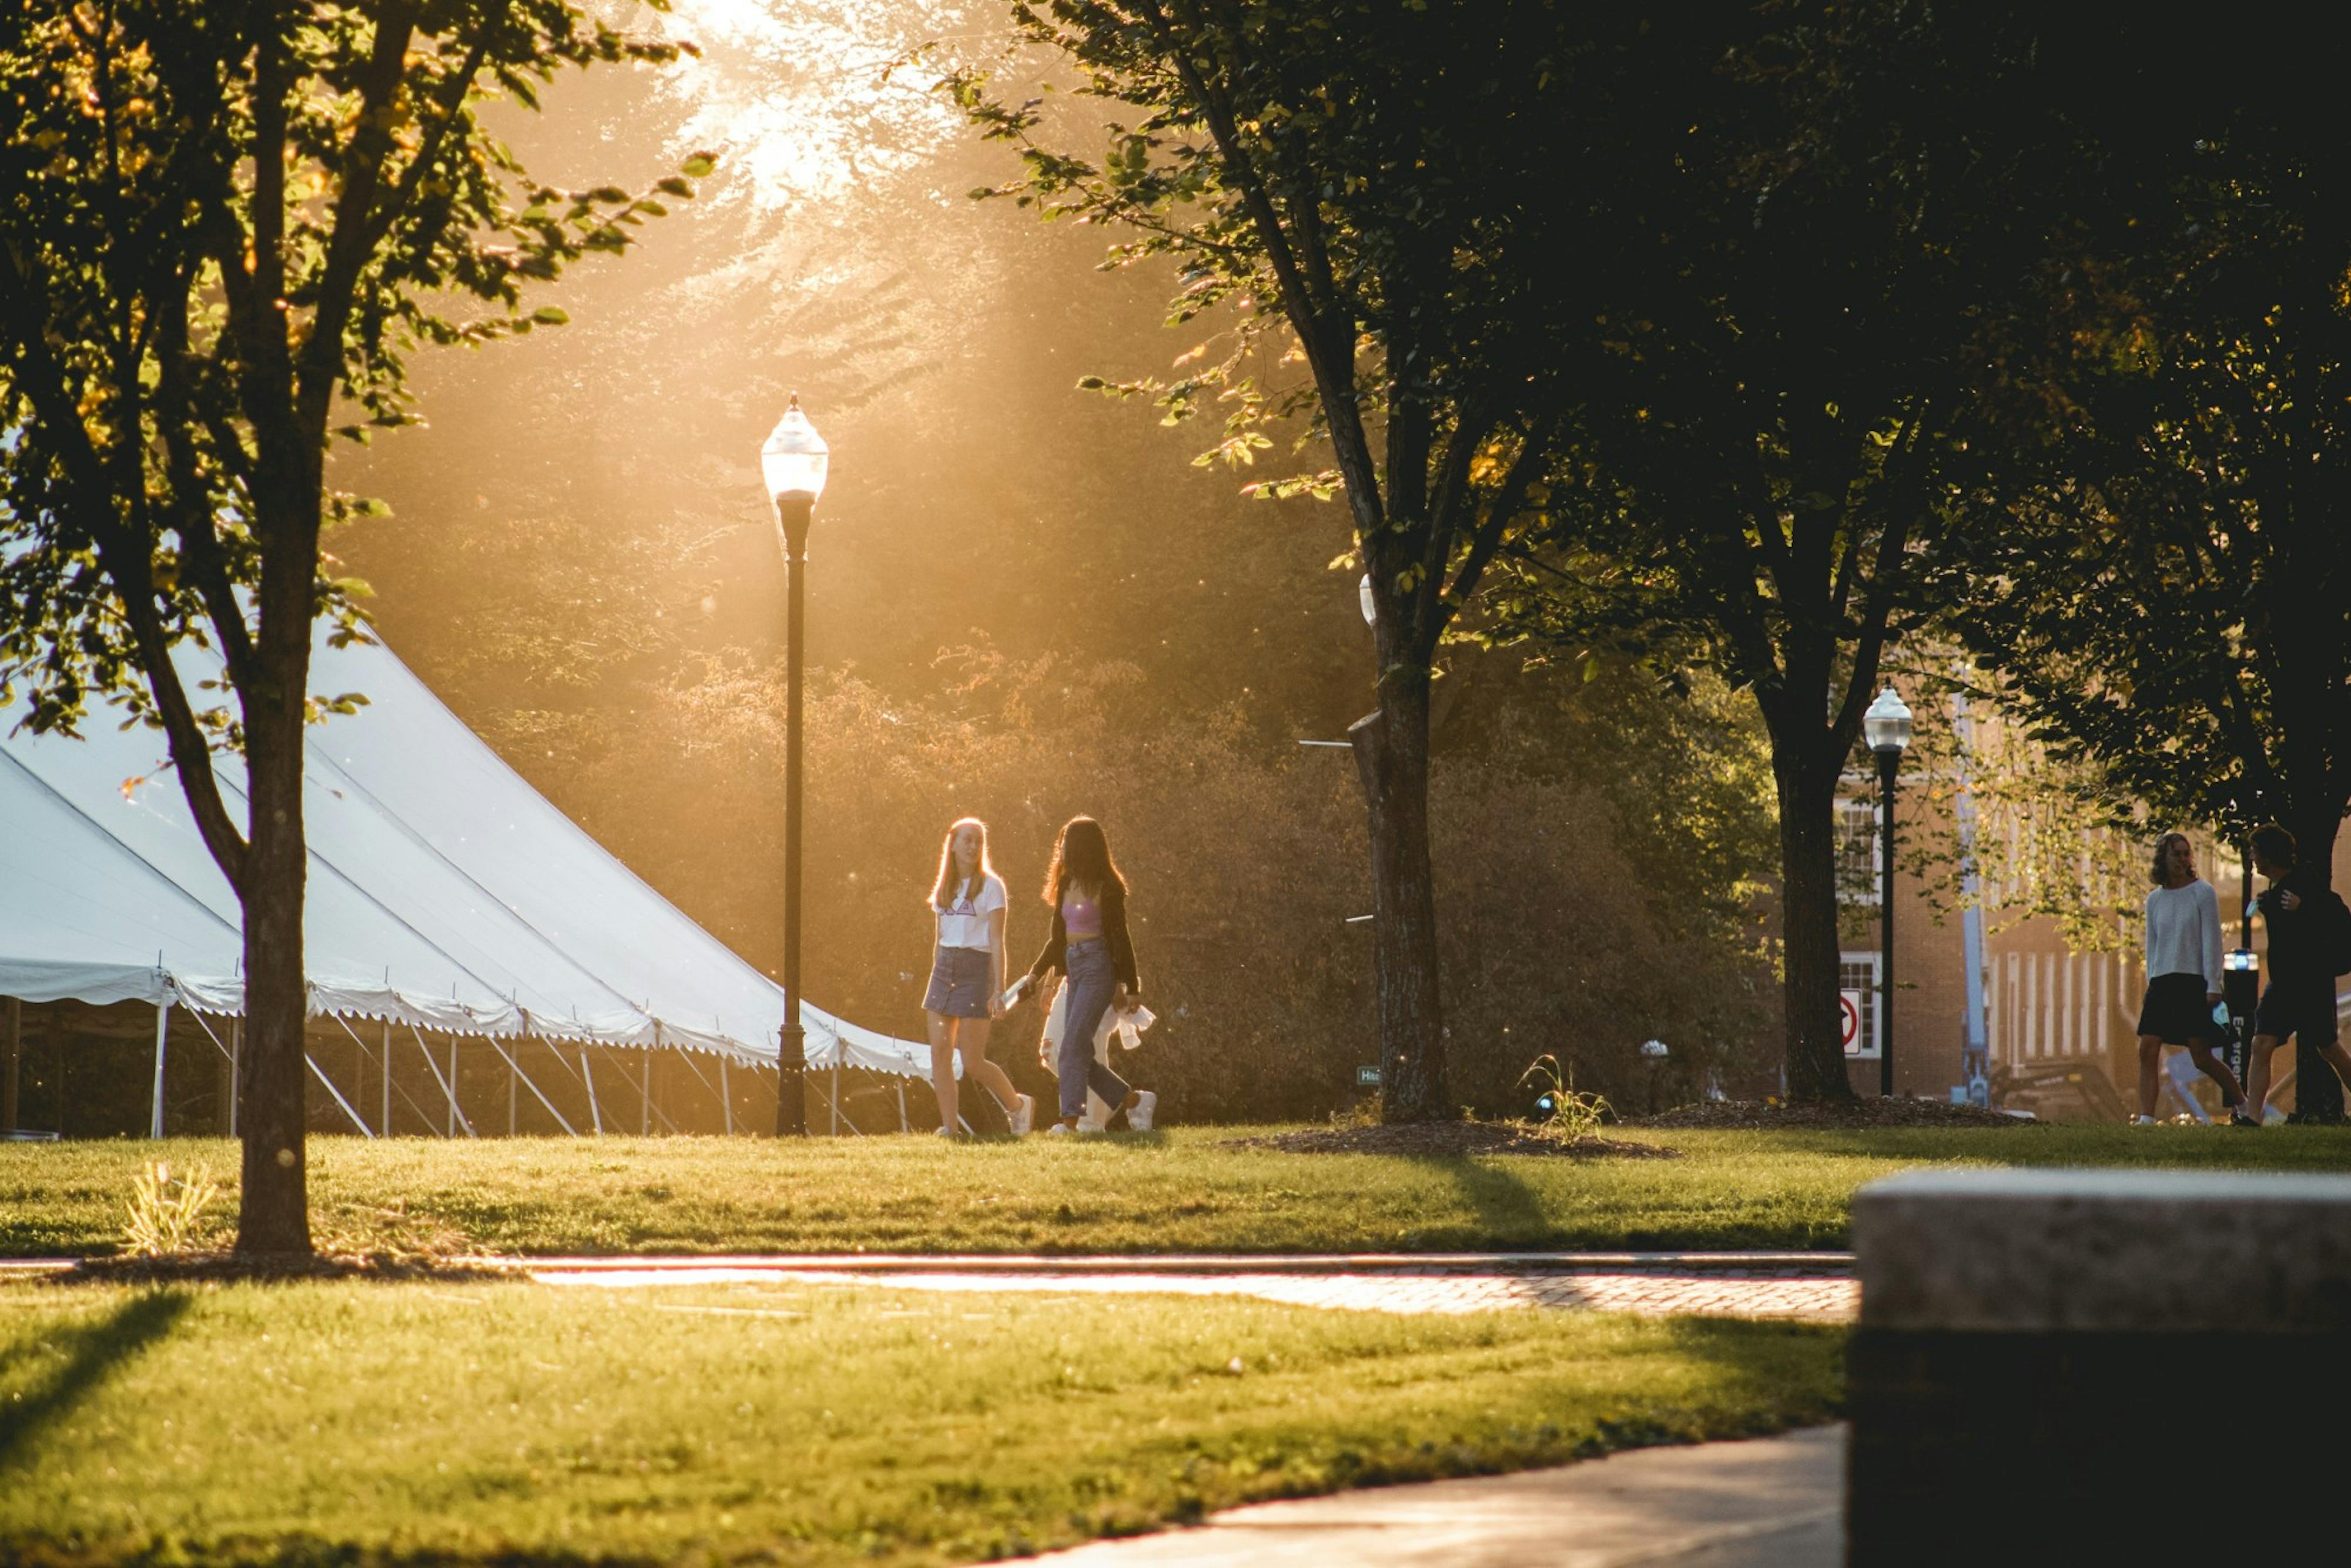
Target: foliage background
{"x":1025,"y":603}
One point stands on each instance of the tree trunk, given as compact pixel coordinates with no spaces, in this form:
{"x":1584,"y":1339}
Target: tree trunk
{"x":1392,"y":760}
{"x":1808,"y":921}
{"x":2317,"y":1091}
{"x":274,"y":1215}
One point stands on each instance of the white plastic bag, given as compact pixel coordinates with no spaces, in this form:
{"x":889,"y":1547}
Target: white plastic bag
{"x":1126,"y":1027}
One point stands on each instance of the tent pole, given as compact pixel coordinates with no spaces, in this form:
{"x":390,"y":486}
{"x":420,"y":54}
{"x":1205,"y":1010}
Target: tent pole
{"x":645,"y":1097}
{"x":587,"y":1076}
{"x":236,"y":1052}
{"x":338,"y":1093}
{"x":836,"y":1097}
{"x":12,"y":1047}
{"x":901,"y":1106}
{"x":385,"y":1122}
{"x":448,"y":1085}
{"x":726,"y":1095}
{"x":515,"y":1069}
{"x":512,"y":1072}
{"x":155,"y":1101}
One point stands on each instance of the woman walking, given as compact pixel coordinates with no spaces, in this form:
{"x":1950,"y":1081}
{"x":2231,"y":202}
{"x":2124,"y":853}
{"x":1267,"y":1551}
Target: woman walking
{"x":2183,"y":977}
{"x":967,"y":987}
{"x":1089,"y":943}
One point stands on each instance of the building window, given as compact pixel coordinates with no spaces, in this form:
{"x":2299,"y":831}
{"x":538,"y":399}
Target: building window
{"x":1857,"y":1005}
{"x":1857,"y":857}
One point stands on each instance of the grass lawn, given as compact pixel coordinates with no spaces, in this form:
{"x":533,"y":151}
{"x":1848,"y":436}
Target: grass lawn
{"x":1180,"y":1190}
{"x":356,"y":1421}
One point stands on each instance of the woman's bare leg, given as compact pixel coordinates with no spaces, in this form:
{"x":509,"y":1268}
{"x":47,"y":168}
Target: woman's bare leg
{"x":2213,"y":1068}
{"x":2150,"y":1072}
{"x":943,"y":1078}
{"x":973,"y":1036}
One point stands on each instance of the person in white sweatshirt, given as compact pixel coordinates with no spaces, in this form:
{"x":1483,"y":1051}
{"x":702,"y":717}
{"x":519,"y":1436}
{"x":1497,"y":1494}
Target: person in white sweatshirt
{"x":2183,"y":977}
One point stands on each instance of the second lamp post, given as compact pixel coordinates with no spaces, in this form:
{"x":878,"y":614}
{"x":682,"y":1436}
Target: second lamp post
{"x":1887,"y":728}
{"x":792,"y":462}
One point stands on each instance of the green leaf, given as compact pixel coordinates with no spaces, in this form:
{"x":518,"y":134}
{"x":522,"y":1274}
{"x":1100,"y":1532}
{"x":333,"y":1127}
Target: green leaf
{"x":699,"y":165}
{"x":553,"y":315}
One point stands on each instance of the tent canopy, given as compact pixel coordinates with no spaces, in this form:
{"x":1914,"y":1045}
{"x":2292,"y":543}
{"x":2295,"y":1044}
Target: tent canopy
{"x":443,"y":891}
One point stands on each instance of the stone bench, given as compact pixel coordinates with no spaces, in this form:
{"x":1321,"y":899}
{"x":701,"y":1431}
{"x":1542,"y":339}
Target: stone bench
{"x":2099,"y":1365}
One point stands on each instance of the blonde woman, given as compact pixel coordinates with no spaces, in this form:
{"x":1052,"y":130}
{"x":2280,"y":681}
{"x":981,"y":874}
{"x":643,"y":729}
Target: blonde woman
{"x":968,"y":903}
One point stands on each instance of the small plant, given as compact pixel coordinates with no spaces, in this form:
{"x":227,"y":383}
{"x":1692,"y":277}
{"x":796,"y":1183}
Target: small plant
{"x":1562,"y":1110}
{"x":164,"y":1209}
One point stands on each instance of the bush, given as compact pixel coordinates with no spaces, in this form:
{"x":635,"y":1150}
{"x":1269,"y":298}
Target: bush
{"x":1247,"y":856}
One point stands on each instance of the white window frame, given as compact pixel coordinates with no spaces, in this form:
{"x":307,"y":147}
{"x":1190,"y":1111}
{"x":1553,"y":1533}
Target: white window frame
{"x":1872,"y":1017}
{"x":1876,"y":892}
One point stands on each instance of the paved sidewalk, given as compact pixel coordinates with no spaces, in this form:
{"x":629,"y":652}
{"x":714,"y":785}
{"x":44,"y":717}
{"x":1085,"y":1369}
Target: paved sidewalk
{"x":1774,"y":1503}
{"x":1806,"y":1287}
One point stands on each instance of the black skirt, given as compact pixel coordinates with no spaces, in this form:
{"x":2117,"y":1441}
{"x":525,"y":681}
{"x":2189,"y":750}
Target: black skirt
{"x":2176,"y":1012}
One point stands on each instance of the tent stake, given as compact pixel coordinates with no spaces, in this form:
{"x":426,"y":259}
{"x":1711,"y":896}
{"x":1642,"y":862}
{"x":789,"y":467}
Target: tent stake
{"x":155,"y":1112}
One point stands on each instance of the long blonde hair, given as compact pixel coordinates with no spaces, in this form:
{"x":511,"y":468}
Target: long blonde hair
{"x":948,"y":878}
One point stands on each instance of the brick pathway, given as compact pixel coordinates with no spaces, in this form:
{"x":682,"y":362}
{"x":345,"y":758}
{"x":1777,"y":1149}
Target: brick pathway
{"x":1806,"y":1291}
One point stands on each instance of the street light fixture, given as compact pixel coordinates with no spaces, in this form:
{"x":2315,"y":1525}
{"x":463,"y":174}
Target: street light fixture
{"x":1887,"y":728}
{"x":792,"y":462}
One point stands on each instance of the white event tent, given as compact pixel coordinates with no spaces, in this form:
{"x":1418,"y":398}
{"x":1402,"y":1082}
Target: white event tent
{"x":444,"y":893}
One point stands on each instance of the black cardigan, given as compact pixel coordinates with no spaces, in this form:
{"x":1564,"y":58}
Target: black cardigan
{"x":1122,"y":949}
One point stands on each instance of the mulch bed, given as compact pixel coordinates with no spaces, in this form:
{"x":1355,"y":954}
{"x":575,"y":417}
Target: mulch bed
{"x":1898,"y":1112}
{"x":196,"y":1268}
{"x":1452,"y":1138}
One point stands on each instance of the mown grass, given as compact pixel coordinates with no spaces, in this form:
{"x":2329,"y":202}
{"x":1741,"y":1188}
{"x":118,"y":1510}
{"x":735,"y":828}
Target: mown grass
{"x":1185,"y":1190}
{"x":351,"y":1421}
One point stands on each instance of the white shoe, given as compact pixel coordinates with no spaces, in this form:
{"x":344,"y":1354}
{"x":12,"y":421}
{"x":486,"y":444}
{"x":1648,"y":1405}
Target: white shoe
{"x":1089,"y":1126}
{"x":1024,"y":1115}
{"x":2145,"y":1122}
{"x":1138,"y":1115}
{"x":1059,"y":1130}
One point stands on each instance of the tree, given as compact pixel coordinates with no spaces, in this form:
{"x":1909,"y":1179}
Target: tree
{"x":1387,"y":196}
{"x":1801,"y":288}
{"x":2172,"y":598}
{"x":226,"y":227}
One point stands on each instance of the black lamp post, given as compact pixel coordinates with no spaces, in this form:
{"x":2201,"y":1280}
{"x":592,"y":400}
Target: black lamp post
{"x":792,"y":462}
{"x":1887,"y":728}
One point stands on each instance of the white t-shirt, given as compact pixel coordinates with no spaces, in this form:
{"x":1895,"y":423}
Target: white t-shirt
{"x":964,"y":922}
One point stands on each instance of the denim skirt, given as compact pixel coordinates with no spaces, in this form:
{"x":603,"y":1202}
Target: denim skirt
{"x":960,"y":981}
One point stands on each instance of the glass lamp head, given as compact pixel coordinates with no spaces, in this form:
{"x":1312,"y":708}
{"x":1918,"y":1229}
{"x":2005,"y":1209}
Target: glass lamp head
{"x":1887,"y":725}
{"x":792,"y":459}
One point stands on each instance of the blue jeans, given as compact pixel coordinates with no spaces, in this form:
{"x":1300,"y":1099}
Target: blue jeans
{"x":1090,"y":983}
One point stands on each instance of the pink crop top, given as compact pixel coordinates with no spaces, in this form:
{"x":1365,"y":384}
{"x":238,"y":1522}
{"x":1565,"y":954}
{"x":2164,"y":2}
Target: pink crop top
{"x":1081,"y":916}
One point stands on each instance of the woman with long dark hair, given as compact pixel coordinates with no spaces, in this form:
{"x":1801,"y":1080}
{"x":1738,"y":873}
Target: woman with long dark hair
{"x":1089,"y":943}
{"x":2183,"y":977}
{"x":967,"y":988}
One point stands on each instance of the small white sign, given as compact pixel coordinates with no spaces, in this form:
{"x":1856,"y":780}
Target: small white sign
{"x":1849,"y":1025}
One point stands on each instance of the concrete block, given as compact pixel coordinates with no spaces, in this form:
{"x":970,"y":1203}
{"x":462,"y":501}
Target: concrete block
{"x":2060,"y":1366}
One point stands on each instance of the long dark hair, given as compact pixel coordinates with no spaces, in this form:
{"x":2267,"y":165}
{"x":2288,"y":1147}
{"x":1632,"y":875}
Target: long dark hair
{"x":1082,"y":854}
{"x":2158,"y":872}
{"x":948,"y":881}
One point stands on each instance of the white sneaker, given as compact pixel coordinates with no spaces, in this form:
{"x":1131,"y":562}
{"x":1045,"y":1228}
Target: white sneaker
{"x":1089,"y":1126}
{"x":1024,"y":1115}
{"x":2145,"y":1122}
{"x":1138,"y":1115}
{"x":1059,"y":1130}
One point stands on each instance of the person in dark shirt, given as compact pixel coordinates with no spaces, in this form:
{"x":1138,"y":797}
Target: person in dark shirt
{"x":2300,"y":998}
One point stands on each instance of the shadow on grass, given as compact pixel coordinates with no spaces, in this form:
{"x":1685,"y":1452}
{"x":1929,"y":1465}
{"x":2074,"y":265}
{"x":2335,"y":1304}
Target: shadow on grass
{"x":1508,"y":1210}
{"x":94,"y":1351}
